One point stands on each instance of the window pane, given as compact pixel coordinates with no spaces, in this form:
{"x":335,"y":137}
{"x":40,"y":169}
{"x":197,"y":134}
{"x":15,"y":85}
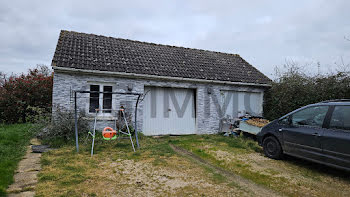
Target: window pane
{"x":340,"y":118}
{"x":94,"y":98}
{"x":107,"y":99}
{"x":312,"y":116}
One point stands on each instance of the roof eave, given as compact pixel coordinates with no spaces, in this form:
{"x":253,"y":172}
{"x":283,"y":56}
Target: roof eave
{"x":145,"y":76}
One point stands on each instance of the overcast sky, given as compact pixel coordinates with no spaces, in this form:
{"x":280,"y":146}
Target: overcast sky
{"x":265,"y":33}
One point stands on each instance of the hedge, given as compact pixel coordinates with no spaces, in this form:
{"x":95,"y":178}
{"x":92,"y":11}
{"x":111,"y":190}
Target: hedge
{"x":293,"y":89}
{"x":26,"y":95}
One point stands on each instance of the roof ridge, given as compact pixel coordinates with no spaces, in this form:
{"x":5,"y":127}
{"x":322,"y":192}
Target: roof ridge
{"x":152,"y":43}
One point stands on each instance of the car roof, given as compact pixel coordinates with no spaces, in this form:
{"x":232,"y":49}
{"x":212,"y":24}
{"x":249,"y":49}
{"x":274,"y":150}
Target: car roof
{"x":334,"y":102}
{"x":325,"y":103}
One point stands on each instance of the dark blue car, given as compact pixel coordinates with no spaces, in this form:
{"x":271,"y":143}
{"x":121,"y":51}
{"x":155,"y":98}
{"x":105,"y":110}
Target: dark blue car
{"x":319,"y":132}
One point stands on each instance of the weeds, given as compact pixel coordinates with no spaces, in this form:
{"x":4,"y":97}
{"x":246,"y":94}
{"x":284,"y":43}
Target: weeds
{"x":60,"y":130}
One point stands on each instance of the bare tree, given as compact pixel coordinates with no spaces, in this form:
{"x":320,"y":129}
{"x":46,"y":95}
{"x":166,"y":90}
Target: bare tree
{"x":43,"y":69}
{"x":342,"y":67}
{"x":2,"y":78}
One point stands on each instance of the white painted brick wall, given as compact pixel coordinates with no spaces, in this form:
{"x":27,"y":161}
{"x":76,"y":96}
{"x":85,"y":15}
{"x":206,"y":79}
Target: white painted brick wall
{"x":64,"y":83}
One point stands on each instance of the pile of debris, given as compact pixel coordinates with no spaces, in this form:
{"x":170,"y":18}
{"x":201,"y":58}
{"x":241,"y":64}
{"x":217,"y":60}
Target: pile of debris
{"x":246,"y":124}
{"x":258,"y":122}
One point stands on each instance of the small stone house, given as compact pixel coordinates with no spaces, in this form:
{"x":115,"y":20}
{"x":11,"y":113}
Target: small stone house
{"x":186,"y":91}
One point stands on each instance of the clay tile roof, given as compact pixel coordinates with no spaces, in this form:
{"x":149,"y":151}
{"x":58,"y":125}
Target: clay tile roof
{"x":94,"y":52}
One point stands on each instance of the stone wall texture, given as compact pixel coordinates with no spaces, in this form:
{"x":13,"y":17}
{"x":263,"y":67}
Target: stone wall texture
{"x":65,"y":84}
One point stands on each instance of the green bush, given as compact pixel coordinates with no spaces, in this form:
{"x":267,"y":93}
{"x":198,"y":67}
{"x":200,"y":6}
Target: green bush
{"x":294,"y":89}
{"x":25,"y":95}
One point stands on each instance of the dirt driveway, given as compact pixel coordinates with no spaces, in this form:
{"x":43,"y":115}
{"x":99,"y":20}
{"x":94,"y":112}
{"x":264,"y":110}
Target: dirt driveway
{"x":183,"y":166}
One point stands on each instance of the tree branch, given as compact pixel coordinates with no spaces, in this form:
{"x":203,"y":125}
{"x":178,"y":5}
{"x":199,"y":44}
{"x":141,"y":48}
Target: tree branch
{"x":346,"y":38}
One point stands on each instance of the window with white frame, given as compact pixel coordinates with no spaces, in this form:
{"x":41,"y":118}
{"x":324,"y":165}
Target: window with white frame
{"x":98,"y":100}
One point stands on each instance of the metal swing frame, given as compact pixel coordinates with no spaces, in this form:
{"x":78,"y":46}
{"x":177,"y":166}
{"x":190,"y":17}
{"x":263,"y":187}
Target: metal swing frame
{"x":121,"y":93}
{"x":93,"y":134}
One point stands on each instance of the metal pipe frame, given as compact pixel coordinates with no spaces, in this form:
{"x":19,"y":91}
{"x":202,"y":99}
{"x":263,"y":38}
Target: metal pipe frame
{"x":122,"y":93}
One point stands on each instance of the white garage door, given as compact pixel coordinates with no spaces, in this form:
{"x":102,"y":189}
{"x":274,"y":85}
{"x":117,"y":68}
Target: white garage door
{"x":236,"y":104}
{"x":169,"y":111}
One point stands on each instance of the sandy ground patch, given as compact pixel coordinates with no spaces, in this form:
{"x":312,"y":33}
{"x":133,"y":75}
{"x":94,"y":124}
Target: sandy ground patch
{"x":150,"y":176}
{"x":223,"y":167}
{"x":300,"y":180}
{"x":177,"y":177}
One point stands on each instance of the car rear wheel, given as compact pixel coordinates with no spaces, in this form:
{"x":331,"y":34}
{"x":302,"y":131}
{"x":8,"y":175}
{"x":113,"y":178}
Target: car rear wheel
{"x":272,"y":148}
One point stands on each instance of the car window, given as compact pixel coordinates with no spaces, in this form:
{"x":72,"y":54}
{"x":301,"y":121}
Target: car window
{"x":311,"y":116}
{"x":340,"y":118}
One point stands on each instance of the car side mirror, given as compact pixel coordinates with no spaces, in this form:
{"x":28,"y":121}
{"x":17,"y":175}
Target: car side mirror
{"x":303,"y":122}
{"x":285,"y":121}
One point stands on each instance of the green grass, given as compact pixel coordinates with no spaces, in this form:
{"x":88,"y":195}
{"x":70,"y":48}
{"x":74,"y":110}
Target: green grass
{"x":264,"y":172}
{"x":64,"y":171}
{"x":13,"y":142}
{"x":234,"y":146}
{"x":237,"y":145}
